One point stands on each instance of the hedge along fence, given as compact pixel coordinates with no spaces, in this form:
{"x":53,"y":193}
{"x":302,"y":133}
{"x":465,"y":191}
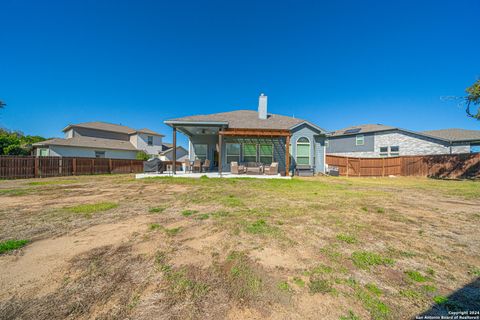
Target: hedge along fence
{"x":17,"y":167}
{"x":451,"y":166}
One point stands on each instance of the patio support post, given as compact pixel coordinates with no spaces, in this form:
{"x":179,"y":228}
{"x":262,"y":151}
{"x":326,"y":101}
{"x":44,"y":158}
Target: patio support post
{"x":220,"y":142}
{"x":287,"y":156}
{"x":174,"y":164}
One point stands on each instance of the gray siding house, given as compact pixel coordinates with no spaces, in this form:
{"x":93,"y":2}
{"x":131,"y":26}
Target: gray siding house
{"x":252,"y":136}
{"x":102,"y":140}
{"x":377,"y":140}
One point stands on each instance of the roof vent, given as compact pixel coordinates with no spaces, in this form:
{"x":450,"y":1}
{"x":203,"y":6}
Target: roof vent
{"x":262,"y":106}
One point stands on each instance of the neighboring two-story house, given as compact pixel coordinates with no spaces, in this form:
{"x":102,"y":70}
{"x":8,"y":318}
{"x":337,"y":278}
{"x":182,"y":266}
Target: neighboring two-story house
{"x":377,"y":140}
{"x":102,"y":140}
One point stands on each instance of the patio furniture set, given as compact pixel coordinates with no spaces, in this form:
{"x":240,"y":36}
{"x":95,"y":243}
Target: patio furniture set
{"x":253,"y":168}
{"x":197,"y":165}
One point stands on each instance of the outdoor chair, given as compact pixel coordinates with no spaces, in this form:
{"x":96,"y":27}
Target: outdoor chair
{"x":206,"y":166}
{"x":272,"y":169}
{"x":187,"y":165}
{"x":197,"y":165}
{"x":236,"y":169}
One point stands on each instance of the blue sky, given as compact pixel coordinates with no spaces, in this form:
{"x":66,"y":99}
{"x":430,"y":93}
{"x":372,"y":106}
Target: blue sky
{"x":335,"y":63}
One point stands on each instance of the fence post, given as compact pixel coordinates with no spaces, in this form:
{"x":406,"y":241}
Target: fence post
{"x":92,"y":166}
{"x":131,"y":166}
{"x":74,"y":166}
{"x":383,"y":167}
{"x":36,"y":165}
{"x":110,"y":165}
{"x":348,"y":165}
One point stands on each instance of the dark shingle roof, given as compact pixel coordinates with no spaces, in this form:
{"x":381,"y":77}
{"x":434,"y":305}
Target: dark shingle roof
{"x":245,"y":119}
{"x":454,"y":134}
{"x":88,"y":142}
{"x":105,"y":126}
{"x":364,"y":128}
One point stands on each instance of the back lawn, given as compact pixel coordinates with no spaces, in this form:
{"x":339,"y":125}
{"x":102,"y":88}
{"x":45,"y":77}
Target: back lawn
{"x":307,"y":248}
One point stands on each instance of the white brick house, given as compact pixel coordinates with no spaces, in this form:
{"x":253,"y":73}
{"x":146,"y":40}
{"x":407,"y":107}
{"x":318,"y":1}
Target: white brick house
{"x":376,"y":140}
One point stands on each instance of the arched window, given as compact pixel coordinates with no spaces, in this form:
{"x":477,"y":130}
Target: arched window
{"x":303,"y":151}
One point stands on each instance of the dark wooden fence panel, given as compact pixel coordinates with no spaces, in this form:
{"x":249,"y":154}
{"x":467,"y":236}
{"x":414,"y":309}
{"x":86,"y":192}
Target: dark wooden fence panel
{"x":437,"y":166}
{"x":17,"y":167}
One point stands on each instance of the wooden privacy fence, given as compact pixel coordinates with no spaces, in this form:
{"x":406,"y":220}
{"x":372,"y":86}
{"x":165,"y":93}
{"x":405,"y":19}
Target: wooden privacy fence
{"x":16,"y":167}
{"x":450,"y":166}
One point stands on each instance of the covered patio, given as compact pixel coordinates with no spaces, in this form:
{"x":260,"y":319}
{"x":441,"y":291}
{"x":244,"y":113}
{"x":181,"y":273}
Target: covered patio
{"x":214,"y":142}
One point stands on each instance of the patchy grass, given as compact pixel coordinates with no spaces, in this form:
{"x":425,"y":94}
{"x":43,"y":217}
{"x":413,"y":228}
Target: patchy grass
{"x":154,"y":226}
{"x":244,"y":282}
{"x":260,"y":227}
{"x":89,"y":209}
{"x":50,"y":182}
{"x":346,"y":238}
{"x":416,"y":276}
{"x":440,"y":299}
{"x":203,"y":216}
{"x":157,"y":209}
{"x":318,"y":285}
{"x":14,"y":192}
{"x":335,"y":237}
{"x":366,"y":259}
{"x":188,"y":213}
{"x":10,"y":245}
{"x":351,"y":316}
{"x":299,"y":282}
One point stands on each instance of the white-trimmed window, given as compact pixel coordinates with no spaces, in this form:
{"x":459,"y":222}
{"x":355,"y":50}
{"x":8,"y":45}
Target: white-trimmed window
{"x":383,"y":151}
{"x":265,"y":151}
{"x":43,"y":152}
{"x":249,"y":152}
{"x":150,"y":140}
{"x":233,"y":152}
{"x":99,"y":154}
{"x":303,"y":151}
{"x":200,"y":151}
{"x":359,"y":140}
{"x":394,"y":151}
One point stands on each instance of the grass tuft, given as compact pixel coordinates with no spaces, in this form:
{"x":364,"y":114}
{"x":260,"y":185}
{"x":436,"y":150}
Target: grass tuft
{"x":89,"y":209}
{"x":188,"y":213}
{"x":299,"y":282}
{"x":317,"y":285}
{"x":157,"y":209}
{"x":440,"y":299}
{"x":416,"y":276}
{"x":350,"y":316}
{"x":366,"y":259}
{"x":346,"y":238}
{"x":10,"y":245}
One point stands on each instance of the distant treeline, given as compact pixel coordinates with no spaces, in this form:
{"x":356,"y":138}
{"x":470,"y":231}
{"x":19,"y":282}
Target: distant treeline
{"x":16,"y":143}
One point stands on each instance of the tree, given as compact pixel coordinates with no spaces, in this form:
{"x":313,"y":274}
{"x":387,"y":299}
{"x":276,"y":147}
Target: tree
{"x":16,"y":143}
{"x":2,"y":104}
{"x":141,"y":155}
{"x":473,"y":99}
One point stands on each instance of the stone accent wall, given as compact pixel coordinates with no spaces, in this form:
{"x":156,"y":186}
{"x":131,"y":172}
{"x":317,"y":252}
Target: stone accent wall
{"x":410,"y":145}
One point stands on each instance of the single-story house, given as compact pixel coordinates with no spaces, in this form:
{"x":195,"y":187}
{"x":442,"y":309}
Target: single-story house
{"x":247,"y":136}
{"x":378,"y":140}
{"x":102,"y":140}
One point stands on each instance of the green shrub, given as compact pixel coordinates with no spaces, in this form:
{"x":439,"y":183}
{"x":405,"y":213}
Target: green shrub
{"x":141,"y":155}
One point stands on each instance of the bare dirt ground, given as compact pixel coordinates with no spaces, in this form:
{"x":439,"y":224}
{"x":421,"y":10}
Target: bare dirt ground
{"x":112,"y":247}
